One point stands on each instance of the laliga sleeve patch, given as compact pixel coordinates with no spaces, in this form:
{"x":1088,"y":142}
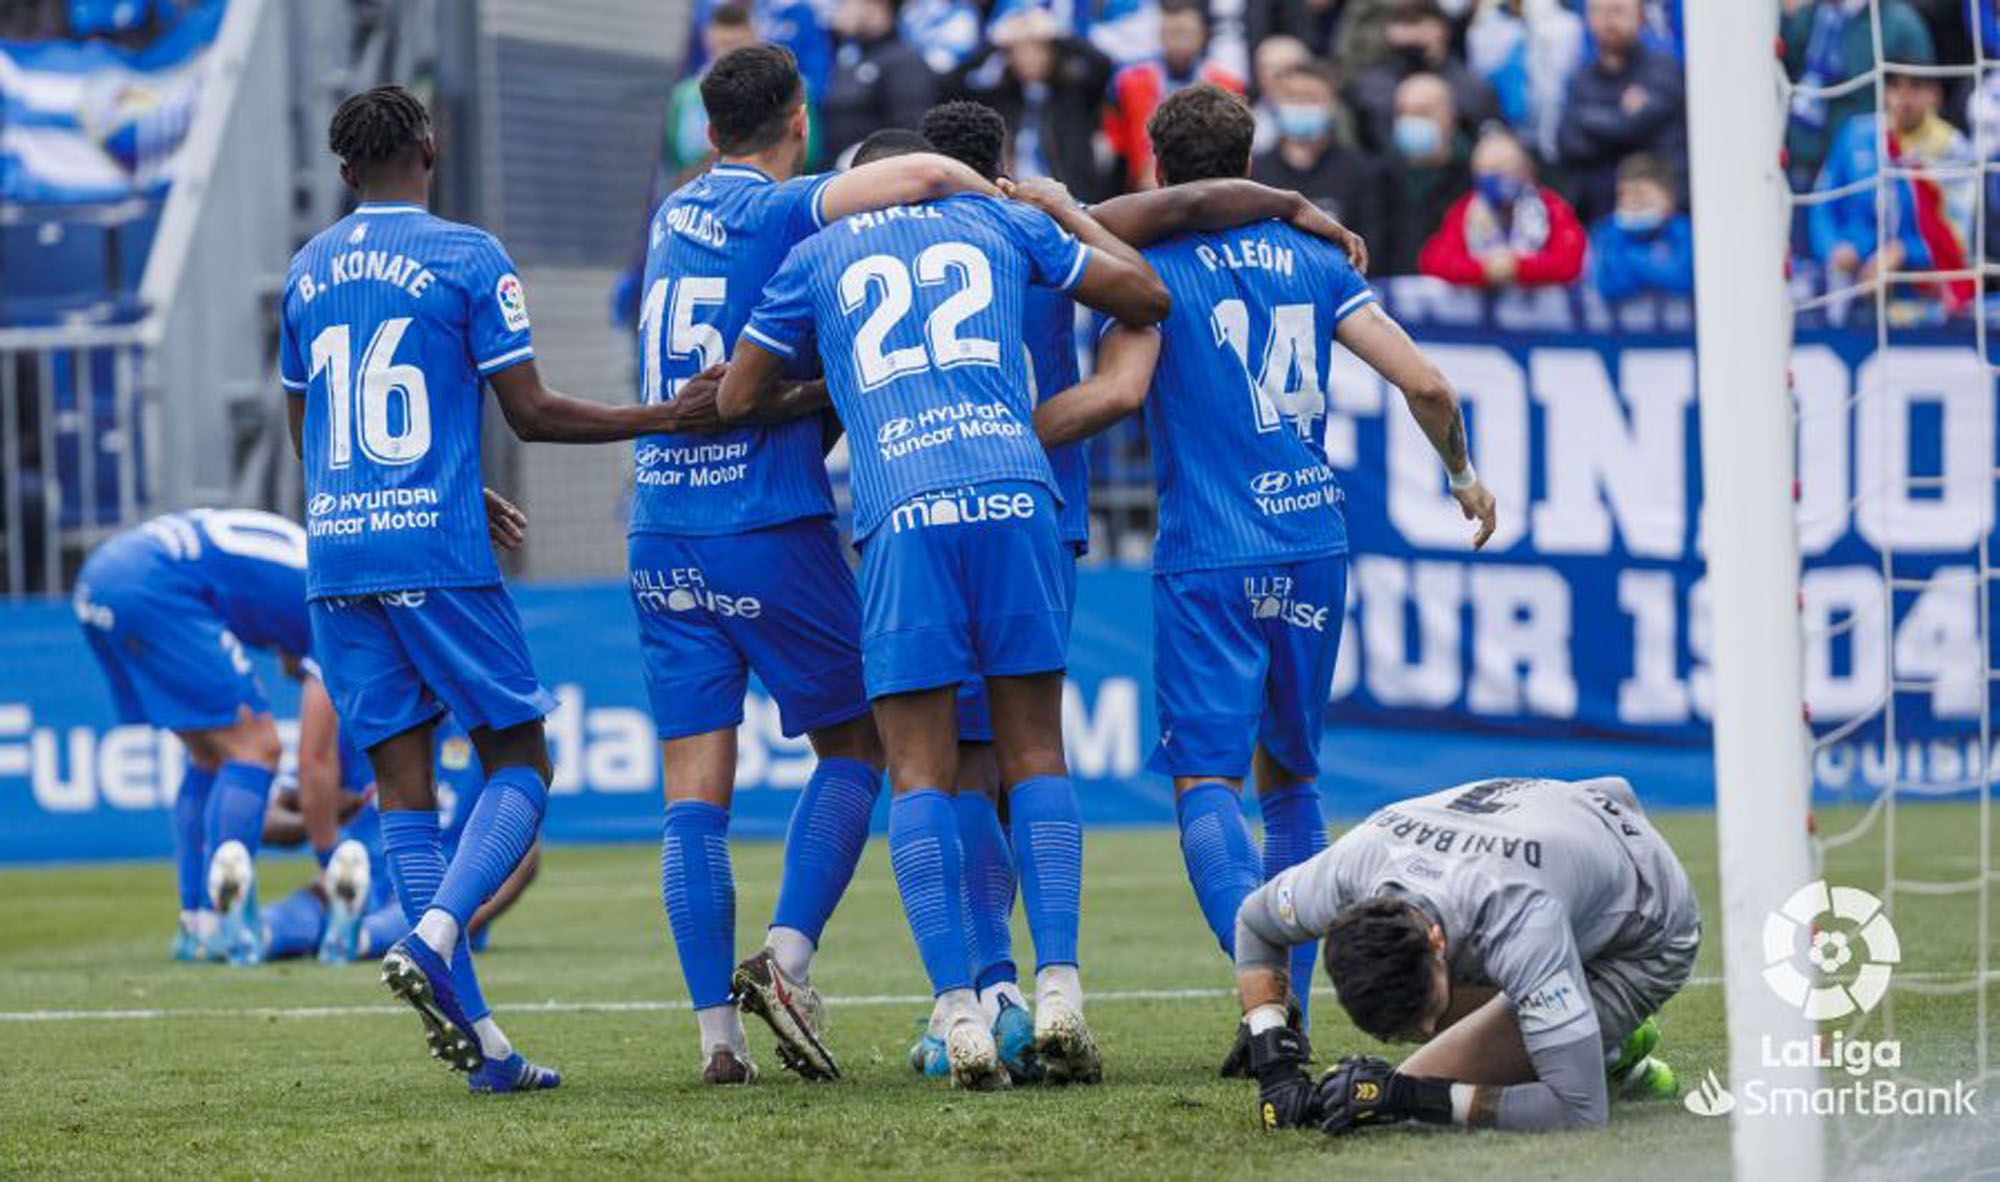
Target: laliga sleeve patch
{"x":1555,"y":1003}
{"x":513,"y":302}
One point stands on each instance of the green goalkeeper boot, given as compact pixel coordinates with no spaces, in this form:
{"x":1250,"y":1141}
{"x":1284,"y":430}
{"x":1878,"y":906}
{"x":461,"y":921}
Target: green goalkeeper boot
{"x":1638,"y":1075}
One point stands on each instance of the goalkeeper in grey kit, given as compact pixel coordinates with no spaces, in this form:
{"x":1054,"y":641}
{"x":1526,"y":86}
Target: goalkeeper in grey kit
{"x":1524,"y":931}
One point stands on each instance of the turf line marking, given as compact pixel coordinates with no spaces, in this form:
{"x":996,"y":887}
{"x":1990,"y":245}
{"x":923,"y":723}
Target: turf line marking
{"x":899,"y":1000}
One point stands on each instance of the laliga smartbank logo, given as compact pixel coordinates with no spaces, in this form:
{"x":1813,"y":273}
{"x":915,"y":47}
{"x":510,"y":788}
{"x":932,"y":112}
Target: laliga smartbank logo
{"x":1838,"y":928}
{"x":1830,"y":951}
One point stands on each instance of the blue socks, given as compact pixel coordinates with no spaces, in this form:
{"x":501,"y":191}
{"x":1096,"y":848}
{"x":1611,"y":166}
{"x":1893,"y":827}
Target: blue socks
{"x":930,"y":875}
{"x":823,"y":844}
{"x":1048,"y":845}
{"x":497,"y":835}
{"x":699,"y":890}
{"x":1294,"y":830}
{"x":989,"y":880}
{"x":191,"y":848}
{"x":415,"y":851}
{"x":1221,"y":863}
{"x":238,"y":798}
{"x":293,"y":924}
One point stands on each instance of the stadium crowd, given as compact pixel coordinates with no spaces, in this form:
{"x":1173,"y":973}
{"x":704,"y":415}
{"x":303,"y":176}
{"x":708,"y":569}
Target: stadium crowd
{"x":1487,"y":143}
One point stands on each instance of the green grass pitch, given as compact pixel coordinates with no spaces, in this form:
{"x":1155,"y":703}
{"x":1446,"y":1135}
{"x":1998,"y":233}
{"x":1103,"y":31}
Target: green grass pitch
{"x":302,"y":1069}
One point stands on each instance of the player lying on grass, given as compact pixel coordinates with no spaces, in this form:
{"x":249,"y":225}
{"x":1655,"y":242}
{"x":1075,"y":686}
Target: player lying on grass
{"x":169,"y":608}
{"x":917,"y":313}
{"x":349,"y":912}
{"x":976,"y":135}
{"x":1250,"y":568}
{"x":1524,"y":931}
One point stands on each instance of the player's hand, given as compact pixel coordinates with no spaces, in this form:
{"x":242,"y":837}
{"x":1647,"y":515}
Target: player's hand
{"x":1355,"y":1095}
{"x":505,"y":523}
{"x":693,"y":409}
{"x":1476,"y":502}
{"x":1285,"y":1098}
{"x":1321,"y":224}
{"x":1044,"y":193}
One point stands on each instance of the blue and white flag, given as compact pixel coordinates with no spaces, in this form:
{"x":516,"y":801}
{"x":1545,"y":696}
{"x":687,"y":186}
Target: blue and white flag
{"x":88,"y":121}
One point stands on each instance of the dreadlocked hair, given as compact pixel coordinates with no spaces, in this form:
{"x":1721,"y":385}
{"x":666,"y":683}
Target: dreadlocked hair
{"x":377,"y":126}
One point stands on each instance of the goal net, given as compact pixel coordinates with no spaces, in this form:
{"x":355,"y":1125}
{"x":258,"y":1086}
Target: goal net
{"x":1884,"y":945}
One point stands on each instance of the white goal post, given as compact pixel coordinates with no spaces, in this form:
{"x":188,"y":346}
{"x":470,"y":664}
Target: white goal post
{"x":1736,"y":123}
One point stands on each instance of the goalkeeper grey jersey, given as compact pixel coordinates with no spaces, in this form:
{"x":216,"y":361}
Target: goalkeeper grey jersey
{"x":1531,"y":880}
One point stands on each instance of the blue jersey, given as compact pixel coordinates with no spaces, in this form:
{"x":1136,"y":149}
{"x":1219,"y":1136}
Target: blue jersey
{"x":1238,"y":405}
{"x":392,"y":319}
{"x":918,"y":311}
{"x":715,"y":243}
{"x":251,"y":567}
{"x":1050,"y":326}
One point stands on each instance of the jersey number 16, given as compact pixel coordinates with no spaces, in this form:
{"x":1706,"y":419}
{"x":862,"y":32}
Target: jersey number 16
{"x":386,"y":386}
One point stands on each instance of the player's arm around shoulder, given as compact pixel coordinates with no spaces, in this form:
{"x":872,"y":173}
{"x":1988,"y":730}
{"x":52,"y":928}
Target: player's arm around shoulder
{"x":1142,"y":219}
{"x":898,"y":180}
{"x":1116,"y":279}
{"x":1371,"y":334}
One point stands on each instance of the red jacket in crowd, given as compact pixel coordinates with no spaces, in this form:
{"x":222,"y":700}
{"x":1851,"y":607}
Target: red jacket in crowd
{"x":1136,"y":92}
{"x":1546,"y":240}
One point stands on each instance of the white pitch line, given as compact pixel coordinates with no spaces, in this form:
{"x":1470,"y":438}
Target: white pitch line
{"x":653,"y":1006}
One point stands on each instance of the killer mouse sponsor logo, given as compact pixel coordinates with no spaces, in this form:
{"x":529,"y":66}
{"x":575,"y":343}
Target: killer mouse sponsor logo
{"x":1272,"y":597}
{"x":961,"y":507}
{"x":686,"y":589}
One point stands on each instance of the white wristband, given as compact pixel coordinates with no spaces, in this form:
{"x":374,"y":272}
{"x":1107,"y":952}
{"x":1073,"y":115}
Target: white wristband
{"x":1265,"y":1017}
{"x":1464,"y":478}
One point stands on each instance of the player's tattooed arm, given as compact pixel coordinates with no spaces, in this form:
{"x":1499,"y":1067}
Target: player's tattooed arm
{"x":1221,"y":204}
{"x":1373,"y":336}
{"x":899,"y":180}
{"x":1125,"y":360}
{"x":541,"y":415}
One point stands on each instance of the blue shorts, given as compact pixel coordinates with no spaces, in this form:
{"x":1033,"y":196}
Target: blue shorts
{"x":975,"y":717}
{"x":1243,"y":656}
{"x":398,"y":660}
{"x":962,"y":585}
{"x":779,"y":602}
{"x":165,"y":649}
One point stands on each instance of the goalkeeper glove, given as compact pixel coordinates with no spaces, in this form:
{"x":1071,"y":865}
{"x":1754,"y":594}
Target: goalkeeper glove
{"x":1361,"y":1091}
{"x":1284,"y":1091}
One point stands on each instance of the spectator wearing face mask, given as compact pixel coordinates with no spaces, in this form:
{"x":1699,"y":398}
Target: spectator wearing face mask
{"x":1644,"y":246}
{"x":1930,"y":216}
{"x":1626,"y":99}
{"x":1509,"y":231}
{"x":1418,"y":40}
{"x":1828,"y":42}
{"x":1275,"y":57}
{"x":878,"y":80}
{"x":1309,"y":157}
{"x":1138,"y":90}
{"x":1428,"y":161}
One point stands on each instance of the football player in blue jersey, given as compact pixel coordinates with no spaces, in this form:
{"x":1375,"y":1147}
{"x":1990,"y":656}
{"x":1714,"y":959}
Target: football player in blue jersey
{"x":393,"y":320}
{"x":1250,"y":566}
{"x":917,"y":315}
{"x":976,"y":134}
{"x":169,"y":609}
{"x":736,"y":566}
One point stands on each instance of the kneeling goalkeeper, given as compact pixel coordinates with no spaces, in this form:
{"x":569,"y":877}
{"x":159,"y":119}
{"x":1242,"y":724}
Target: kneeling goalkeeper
{"x":1524,"y":931}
